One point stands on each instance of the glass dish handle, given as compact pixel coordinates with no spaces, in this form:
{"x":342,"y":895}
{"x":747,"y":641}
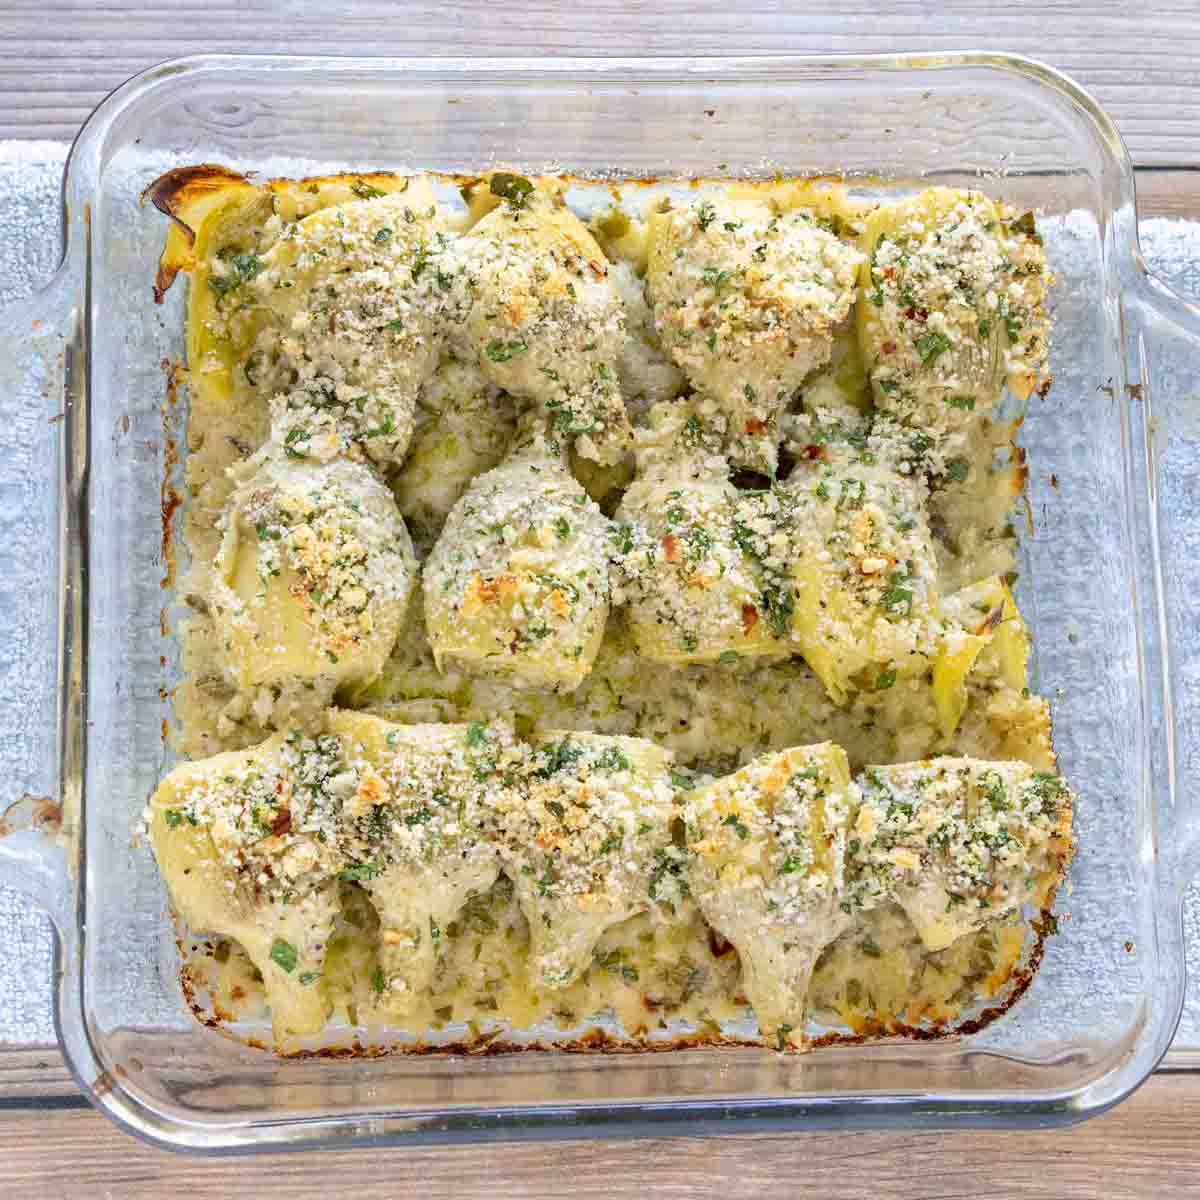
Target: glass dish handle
{"x":42,"y":428}
{"x":1163,"y":398}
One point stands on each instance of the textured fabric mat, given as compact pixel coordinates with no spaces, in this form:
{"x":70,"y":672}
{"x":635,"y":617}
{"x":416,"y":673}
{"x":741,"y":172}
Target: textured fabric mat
{"x":30,"y":226}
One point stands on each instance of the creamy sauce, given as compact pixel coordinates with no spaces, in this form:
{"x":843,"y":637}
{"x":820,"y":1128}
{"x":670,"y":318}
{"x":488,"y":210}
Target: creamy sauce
{"x":663,"y":970}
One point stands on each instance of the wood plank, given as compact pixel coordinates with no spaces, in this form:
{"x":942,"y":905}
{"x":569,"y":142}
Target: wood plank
{"x":1146,"y":1148}
{"x":32,"y":1074}
{"x":1169,"y":194}
{"x":58,"y":58}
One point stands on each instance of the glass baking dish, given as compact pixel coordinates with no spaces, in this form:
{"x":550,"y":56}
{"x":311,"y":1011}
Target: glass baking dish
{"x":1106,"y":570}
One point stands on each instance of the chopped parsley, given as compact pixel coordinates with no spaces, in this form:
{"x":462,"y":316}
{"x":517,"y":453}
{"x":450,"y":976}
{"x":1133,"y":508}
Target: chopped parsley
{"x":556,"y":757}
{"x":283,"y":955}
{"x":742,"y":830}
{"x":498,"y":351}
{"x":244,"y":268}
{"x":612,"y":760}
{"x":716,"y":279}
{"x":930,"y":345}
{"x":622,"y":535}
{"x":611,"y":842}
{"x":516,"y":189}
{"x":358,"y":872}
{"x":898,"y":599}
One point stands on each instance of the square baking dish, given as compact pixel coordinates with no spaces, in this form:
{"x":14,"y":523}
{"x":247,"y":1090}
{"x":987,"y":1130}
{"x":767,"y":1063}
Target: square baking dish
{"x":1106,"y":580}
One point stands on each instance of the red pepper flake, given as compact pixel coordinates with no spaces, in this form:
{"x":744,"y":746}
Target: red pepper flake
{"x":754,"y":425}
{"x":749,"y":617}
{"x":888,"y":347}
{"x":670,"y":548}
{"x":813,"y":451}
{"x":889,"y":272}
{"x":282,"y":822}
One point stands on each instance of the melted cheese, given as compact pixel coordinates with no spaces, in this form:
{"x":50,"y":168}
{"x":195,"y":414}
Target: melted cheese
{"x":637,"y":944}
{"x":767,"y":848}
{"x":464,"y":427}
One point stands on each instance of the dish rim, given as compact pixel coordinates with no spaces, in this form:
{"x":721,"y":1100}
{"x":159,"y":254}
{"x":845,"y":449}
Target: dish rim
{"x":66,"y":902}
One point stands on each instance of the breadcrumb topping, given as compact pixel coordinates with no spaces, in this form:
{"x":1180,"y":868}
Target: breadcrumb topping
{"x":811,"y":386}
{"x":746,"y":300}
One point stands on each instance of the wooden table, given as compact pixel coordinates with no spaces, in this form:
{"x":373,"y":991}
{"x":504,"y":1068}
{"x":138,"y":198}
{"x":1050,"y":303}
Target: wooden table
{"x":1147,"y":1148}
{"x":57,"y":60}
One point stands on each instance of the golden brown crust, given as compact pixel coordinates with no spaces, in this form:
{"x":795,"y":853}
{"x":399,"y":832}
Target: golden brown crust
{"x":174,"y":194}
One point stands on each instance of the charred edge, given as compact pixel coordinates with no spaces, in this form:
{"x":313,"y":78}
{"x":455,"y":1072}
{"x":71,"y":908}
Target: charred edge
{"x":718,"y":944}
{"x":214,"y":1020}
{"x":170,"y":192}
{"x":282,"y":182}
{"x":170,"y":499}
{"x":165,"y":275}
{"x":596,"y":1041}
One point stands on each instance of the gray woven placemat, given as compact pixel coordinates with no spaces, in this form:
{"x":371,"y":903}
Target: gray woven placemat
{"x":30,"y":217}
